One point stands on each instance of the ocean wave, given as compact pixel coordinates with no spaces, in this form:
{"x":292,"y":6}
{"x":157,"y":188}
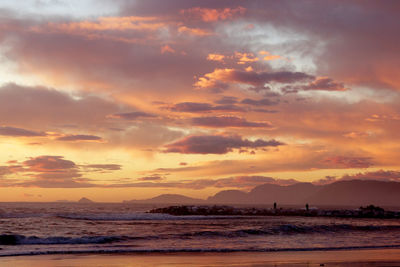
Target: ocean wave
{"x":116,"y":217}
{"x":285,"y":229}
{"x":185,"y":250}
{"x":138,"y":216}
{"x":294,"y":229}
{"x":10,"y":239}
{"x":289,"y":229}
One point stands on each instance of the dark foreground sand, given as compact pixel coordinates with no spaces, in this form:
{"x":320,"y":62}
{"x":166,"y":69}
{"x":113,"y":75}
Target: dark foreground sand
{"x":378,"y":257}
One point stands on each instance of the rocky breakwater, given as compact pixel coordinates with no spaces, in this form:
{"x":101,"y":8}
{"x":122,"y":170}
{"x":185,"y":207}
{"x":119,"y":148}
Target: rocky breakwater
{"x":216,"y":210}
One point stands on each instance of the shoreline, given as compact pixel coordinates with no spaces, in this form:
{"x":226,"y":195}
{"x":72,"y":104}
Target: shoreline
{"x":355,"y":257}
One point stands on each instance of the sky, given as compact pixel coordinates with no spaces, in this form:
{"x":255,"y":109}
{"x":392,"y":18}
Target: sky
{"x":121,"y":100}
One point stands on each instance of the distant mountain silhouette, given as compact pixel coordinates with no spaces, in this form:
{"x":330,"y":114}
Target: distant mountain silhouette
{"x":85,"y":200}
{"x":291,"y":194}
{"x":341,"y":193}
{"x":267,"y":194}
{"x":169,"y":199}
{"x":229,"y":197}
{"x":358,"y":192}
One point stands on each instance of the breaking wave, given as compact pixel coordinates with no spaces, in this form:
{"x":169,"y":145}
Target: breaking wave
{"x":289,"y":229}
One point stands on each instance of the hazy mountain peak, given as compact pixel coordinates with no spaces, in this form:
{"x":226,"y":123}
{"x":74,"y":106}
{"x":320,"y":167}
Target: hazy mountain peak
{"x":85,"y":200}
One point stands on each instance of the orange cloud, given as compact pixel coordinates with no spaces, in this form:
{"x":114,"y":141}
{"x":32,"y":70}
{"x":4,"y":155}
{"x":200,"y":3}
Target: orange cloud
{"x":216,"y":57}
{"x":245,"y":57}
{"x":110,"y":23}
{"x":210,"y":14}
{"x":268,"y":56}
{"x":167,"y":49}
{"x":210,"y":80}
{"x":131,"y":29}
{"x":193,"y":31}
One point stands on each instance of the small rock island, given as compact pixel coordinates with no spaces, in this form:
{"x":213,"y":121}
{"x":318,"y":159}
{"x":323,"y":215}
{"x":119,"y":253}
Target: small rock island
{"x":85,"y":200}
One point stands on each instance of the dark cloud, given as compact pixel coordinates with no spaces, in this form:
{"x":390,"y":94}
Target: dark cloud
{"x":103,"y":167}
{"x":216,"y":144}
{"x":19,"y":132}
{"x":133,"y":115}
{"x":52,"y":168}
{"x":325,"y":84}
{"x":10,"y":169}
{"x":53,"y":172}
{"x":79,"y":137}
{"x":261,"y":102}
{"x":228,"y":121}
{"x":4,"y":170}
{"x":260,"y":78}
{"x":191,"y":107}
{"x":349,"y":162}
{"x":223,"y":77}
{"x":194,"y":107}
{"x":261,"y":110}
{"x":151,"y":178}
{"x":227,"y":100}
{"x":49,"y":163}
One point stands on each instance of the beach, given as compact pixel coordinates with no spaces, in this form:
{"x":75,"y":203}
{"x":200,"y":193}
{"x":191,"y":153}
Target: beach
{"x":365,"y":257}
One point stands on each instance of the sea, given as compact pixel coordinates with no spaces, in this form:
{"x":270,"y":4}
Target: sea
{"x":63,"y":228}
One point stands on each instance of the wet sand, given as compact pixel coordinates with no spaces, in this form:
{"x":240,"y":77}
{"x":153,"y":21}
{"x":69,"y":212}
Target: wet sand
{"x":370,"y":257}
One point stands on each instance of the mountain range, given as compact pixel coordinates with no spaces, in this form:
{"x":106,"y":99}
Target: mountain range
{"x":340,"y":193}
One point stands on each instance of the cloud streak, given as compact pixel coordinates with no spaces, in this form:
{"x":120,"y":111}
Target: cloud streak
{"x":19,"y":132}
{"x":216,"y":144}
{"x":228,"y":121}
{"x":79,"y":137}
{"x":195,"y":107}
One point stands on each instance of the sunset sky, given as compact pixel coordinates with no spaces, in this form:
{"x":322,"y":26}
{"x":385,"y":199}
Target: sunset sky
{"x":120,"y":100}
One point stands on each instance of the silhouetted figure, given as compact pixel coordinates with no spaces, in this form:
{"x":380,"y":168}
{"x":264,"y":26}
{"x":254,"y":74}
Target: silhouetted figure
{"x":307,"y":208}
{"x":274,"y":205}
